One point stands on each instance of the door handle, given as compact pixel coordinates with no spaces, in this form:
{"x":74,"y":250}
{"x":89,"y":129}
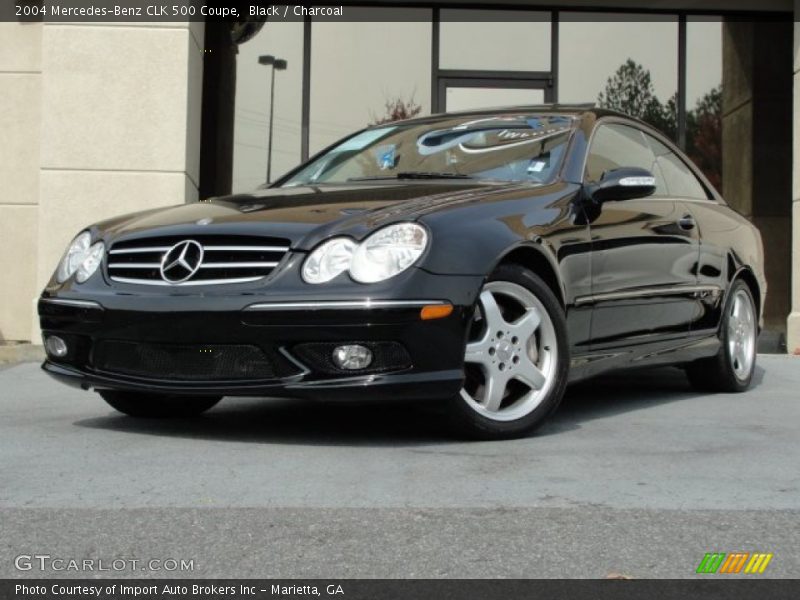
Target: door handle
{"x":686,"y":222}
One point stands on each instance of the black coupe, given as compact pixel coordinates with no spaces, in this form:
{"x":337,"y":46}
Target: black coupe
{"x":483,"y":259}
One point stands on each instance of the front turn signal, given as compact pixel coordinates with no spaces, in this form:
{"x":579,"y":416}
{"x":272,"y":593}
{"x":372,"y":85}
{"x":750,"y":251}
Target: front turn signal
{"x":435,"y":311}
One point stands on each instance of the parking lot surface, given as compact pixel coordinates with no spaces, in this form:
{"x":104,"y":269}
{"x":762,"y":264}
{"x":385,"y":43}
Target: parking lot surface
{"x":636,"y":474}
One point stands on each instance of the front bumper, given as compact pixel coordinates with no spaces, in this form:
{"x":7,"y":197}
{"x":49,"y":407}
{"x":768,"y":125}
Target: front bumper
{"x":434,"y":348}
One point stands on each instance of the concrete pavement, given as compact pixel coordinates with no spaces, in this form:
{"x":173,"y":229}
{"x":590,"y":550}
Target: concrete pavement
{"x":635,"y":474}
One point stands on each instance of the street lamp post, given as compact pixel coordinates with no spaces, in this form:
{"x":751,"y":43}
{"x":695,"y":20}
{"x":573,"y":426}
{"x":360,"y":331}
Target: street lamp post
{"x":277,"y":64}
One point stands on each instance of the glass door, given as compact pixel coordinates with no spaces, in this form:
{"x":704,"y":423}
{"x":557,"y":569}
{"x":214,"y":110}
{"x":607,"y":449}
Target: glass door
{"x":456,"y":94}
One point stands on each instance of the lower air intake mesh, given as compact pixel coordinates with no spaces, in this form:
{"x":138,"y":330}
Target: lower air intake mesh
{"x":189,"y":362}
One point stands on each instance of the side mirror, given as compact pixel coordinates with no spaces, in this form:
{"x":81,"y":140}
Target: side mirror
{"x":625,"y":183}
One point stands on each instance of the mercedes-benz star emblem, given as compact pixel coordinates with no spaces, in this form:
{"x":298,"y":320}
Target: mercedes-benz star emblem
{"x":181,"y":261}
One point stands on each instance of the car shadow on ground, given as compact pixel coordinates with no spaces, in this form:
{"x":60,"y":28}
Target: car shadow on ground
{"x":283,"y":421}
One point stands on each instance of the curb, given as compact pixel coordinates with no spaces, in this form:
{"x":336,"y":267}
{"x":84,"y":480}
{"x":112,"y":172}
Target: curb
{"x":18,"y":353}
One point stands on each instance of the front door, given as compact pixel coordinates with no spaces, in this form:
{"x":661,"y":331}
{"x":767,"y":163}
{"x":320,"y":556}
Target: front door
{"x":644,"y":251}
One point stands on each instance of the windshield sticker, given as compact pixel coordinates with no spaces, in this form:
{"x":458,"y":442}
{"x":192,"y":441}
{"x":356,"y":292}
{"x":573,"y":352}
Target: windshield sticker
{"x":536,"y":166}
{"x":386,"y":156}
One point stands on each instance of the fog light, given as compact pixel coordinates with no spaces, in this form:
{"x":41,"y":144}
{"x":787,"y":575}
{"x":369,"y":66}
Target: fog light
{"x":352,"y":357}
{"x":55,"y":346}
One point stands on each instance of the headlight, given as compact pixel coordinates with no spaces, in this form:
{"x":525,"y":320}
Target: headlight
{"x":328,"y":260}
{"x":89,"y":265}
{"x":81,"y":258}
{"x":388,"y":252}
{"x":382,"y":255}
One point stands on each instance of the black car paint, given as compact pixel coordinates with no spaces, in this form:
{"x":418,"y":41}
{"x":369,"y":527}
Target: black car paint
{"x":596,"y":258}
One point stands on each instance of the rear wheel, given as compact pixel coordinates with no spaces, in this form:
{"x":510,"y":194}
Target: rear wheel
{"x":516,"y":357}
{"x":138,"y":404}
{"x":731,"y":370}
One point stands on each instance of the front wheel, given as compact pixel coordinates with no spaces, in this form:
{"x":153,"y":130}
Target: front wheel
{"x":137,"y":404}
{"x":516,"y":359}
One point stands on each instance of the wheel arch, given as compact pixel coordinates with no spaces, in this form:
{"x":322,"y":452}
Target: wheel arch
{"x":746,"y":274}
{"x":537,"y":260}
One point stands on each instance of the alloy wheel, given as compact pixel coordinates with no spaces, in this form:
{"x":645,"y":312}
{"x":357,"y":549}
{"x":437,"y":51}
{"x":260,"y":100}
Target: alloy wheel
{"x":742,"y":334}
{"x":511,"y":355}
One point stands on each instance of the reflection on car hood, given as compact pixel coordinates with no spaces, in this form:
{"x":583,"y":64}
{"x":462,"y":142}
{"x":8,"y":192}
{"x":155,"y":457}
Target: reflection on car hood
{"x":306,"y":215}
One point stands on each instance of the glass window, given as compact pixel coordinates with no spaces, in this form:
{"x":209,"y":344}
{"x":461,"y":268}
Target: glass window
{"x":492,"y":40}
{"x":616,"y":146}
{"x":679,"y":179}
{"x":507,"y":148}
{"x":362,"y":75}
{"x":470,"y":98}
{"x":625,"y":62}
{"x":281,"y":39}
{"x":704,"y":96}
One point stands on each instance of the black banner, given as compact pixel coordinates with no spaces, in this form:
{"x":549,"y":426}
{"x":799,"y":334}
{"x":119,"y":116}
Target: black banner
{"x":144,"y":11}
{"x":379,"y":589}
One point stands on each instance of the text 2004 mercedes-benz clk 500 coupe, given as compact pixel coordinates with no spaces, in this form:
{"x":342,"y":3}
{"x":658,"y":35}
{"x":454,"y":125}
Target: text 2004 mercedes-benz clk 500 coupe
{"x":483,"y":259}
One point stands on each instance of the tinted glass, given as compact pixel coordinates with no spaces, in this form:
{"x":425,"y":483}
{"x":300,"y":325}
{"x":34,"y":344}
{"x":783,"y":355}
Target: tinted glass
{"x":626,"y":62}
{"x":680,"y":181}
{"x":283,"y":39}
{"x":493,"y":40}
{"x":506,"y":148}
{"x":704,"y":96}
{"x":364,"y":75}
{"x":616,"y":146}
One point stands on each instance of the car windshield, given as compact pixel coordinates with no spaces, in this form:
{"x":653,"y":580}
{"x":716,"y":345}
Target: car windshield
{"x":517,"y":147}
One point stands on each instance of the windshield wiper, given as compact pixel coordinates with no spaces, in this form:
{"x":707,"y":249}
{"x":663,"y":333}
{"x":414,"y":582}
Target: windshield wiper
{"x":414,"y":175}
{"x":431,"y":175}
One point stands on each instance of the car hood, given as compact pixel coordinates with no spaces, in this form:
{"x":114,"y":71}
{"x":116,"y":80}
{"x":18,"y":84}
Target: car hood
{"x":306,"y":215}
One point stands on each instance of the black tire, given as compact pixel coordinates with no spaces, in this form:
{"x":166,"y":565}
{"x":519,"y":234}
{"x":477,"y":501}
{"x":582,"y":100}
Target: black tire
{"x":474,"y":425}
{"x":717,"y":373}
{"x":160,"y":406}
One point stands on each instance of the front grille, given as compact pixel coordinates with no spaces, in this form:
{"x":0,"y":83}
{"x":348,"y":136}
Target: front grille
{"x":190,"y":362}
{"x":225,"y":259}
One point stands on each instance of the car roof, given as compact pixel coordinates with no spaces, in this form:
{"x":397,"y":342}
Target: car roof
{"x":577,"y":110}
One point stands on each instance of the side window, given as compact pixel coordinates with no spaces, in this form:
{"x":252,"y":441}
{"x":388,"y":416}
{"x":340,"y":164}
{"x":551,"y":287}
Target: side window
{"x":680,"y":181}
{"x":615,"y":146}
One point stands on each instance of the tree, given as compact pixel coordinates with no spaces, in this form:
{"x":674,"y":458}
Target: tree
{"x":397,"y":109}
{"x":704,"y":135}
{"x":630,"y":90}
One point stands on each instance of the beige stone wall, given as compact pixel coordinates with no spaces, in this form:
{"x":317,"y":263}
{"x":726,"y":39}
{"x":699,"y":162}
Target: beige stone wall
{"x":120,"y":125}
{"x":20,"y":118}
{"x":97,"y":120}
{"x":793,"y":323}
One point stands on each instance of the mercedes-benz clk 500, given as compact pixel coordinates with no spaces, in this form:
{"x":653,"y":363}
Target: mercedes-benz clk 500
{"x":481,"y":259}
